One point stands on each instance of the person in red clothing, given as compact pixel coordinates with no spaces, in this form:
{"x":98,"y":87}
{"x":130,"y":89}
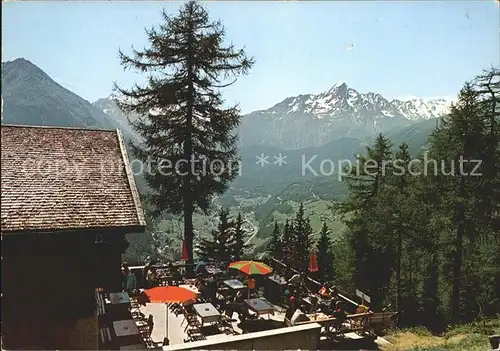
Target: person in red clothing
{"x":324,"y":290}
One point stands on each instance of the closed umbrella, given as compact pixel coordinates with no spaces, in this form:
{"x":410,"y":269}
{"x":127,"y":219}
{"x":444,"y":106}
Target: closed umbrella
{"x":184,"y":252}
{"x":313,"y":262}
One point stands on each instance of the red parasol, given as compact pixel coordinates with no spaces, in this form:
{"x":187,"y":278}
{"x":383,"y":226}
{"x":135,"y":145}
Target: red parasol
{"x":313,"y":262}
{"x":170,"y":294}
{"x":184,"y":255}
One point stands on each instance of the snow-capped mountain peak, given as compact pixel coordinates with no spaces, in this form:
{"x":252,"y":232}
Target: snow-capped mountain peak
{"x":340,"y":99}
{"x":340,"y":111}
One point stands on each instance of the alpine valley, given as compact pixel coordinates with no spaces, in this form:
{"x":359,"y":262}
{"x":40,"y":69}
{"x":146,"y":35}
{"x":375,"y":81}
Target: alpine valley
{"x":334,"y":125}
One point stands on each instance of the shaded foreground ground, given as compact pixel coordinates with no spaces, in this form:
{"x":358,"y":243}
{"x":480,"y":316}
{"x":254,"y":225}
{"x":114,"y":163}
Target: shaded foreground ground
{"x":465,"y":337}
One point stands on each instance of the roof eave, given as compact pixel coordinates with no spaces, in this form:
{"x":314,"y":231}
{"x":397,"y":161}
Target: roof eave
{"x":131,"y":181}
{"x":117,"y":229}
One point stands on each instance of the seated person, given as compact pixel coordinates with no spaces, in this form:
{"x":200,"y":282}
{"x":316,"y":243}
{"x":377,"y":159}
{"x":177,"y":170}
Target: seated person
{"x":361,"y":320}
{"x":325,"y":308}
{"x":291,"y":310}
{"x":150,"y":324}
{"x":295,"y":280}
{"x":314,"y":304}
{"x":176,"y":277}
{"x":222,"y":266}
{"x":239,"y":307}
{"x":239,"y":297}
{"x":339,"y":312}
{"x":287,"y":293}
{"x":299,"y":316}
{"x":170,"y":268}
{"x":131,"y":281}
{"x":211,"y":290}
{"x":362,"y":309}
{"x":151,"y":277}
{"x":146,"y":268}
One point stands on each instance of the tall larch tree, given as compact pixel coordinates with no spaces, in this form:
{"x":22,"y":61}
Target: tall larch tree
{"x":186,"y":133}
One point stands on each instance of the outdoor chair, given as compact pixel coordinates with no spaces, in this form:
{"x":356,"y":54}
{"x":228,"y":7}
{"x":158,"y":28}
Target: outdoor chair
{"x":195,"y":334}
{"x":193,"y":323}
{"x":191,"y":319}
{"x":176,"y":308}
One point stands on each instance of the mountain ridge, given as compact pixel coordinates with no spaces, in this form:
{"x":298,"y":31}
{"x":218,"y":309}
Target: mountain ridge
{"x":315,"y":119}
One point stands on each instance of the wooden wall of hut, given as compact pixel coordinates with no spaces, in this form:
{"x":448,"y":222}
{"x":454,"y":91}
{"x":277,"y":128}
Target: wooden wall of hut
{"x":48,"y":280}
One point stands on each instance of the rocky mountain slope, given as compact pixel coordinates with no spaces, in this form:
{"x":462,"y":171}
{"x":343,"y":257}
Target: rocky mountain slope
{"x":312,"y":120}
{"x":31,"y":97}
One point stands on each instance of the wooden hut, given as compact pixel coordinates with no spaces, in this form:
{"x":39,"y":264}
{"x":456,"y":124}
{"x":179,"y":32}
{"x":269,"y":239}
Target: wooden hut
{"x":68,"y":199}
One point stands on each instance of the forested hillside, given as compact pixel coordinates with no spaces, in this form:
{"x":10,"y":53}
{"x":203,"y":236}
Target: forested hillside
{"x":426,"y":239}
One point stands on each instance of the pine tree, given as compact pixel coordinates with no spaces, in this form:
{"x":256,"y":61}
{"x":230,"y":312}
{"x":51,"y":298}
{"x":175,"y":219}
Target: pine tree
{"x":275,"y":248}
{"x":460,"y":139}
{"x":287,"y":242}
{"x":187,"y":134}
{"x":324,"y":255}
{"x":239,"y":246}
{"x":362,"y":216}
{"x":302,"y":232}
{"x":368,"y":176}
{"x":218,"y":246}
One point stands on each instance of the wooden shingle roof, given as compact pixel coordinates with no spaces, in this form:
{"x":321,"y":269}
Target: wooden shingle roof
{"x":65,"y":179}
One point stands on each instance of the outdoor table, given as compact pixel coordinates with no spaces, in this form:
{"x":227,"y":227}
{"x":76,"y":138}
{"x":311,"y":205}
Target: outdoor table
{"x":119,"y":298}
{"x":277,"y":279}
{"x":260,"y":306}
{"x":125,"y":327}
{"x":212,"y":270}
{"x":234,"y":284}
{"x":207,"y":312}
{"x":126,"y":333}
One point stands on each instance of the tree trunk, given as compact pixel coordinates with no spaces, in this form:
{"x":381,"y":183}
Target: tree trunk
{"x":188,"y":152}
{"x":457,"y":267}
{"x":398,"y":273}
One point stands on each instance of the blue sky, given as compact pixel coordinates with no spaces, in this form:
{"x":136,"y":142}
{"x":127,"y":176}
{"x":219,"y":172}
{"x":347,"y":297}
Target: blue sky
{"x":425,"y":49}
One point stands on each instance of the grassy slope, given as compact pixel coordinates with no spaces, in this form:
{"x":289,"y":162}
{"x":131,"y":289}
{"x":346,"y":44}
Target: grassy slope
{"x":464,"y":337}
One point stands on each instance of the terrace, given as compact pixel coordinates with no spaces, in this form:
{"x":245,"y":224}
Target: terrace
{"x":220,"y":321}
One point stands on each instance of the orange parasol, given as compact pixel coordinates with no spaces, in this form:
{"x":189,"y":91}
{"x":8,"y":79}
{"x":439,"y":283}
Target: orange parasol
{"x":251,"y":267}
{"x":313,"y":262}
{"x":170,"y":294}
